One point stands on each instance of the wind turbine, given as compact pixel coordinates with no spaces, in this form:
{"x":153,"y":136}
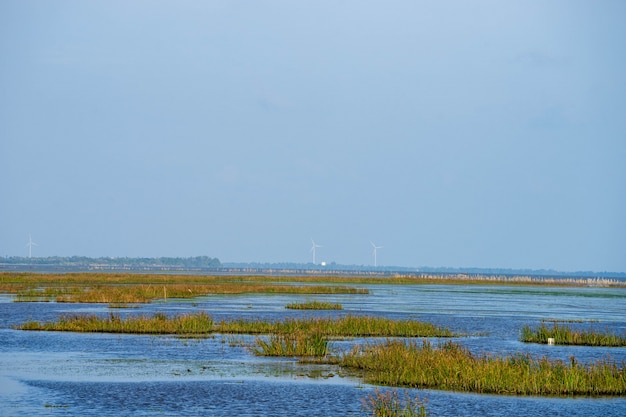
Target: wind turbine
{"x":30,"y":245}
{"x":315,"y":245}
{"x":375,"y":247}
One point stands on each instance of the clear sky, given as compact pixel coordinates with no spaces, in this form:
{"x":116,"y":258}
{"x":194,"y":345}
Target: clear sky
{"x":452,"y":133}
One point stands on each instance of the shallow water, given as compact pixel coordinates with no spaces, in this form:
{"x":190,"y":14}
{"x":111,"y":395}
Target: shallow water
{"x":54,"y":373}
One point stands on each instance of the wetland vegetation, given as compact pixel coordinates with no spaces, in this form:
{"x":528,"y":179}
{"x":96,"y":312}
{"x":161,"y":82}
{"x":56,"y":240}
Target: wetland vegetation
{"x":301,"y":344}
{"x":398,"y":361}
{"x":200,"y":323}
{"x":119,"y":288}
{"x":565,"y":335}
{"x":140,"y":288}
{"x":395,"y":362}
{"x":453,"y":367}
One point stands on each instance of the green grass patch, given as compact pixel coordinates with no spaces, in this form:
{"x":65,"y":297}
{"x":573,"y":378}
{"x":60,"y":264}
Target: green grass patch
{"x":565,"y":335}
{"x":201,"y":323}
{"x":347,"y":326}
{"x":314,"y":305}
{"x":294,"y":344}
{"x":159,"y":323}
{"x":454,"y":368}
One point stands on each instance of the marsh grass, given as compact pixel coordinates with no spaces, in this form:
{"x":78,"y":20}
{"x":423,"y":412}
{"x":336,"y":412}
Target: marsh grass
{"x":394,"y":362}
{"x":96,"y":287}
{"x":159,"y":323}
{"x":391,"y":404}
{"x":314,"y":305}
{"x":294,"y":344}
{"x":454,"y":368}
{"x":21,"y":282}
{"x":565,"y":335}
{"x":116,"y":292}
{"x":348,"y":326}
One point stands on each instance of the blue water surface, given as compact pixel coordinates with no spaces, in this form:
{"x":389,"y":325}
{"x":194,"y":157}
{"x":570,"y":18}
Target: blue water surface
{"x":68,"y":374}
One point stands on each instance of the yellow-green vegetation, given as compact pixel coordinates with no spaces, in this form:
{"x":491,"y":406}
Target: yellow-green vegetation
{"x":393,"y":362}
{"x":142,"y":288}
{"x":314,"y":305}
{"x":565,"y":335}
{"x":98,"y":287}
{"x":453,"y":367}
{"x":390,"y":404}
{"x":159,"y":323}
{"x":348,"y":326}
{"x":293,"y":344}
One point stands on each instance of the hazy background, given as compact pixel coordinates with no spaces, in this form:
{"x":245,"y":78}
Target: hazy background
{"x":453,"y":133}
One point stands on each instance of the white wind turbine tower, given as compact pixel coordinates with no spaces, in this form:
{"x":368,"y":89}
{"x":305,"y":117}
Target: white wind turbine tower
{"x":30,"y":245}
{"x":315,"y":245}
{"x":375,"y":248}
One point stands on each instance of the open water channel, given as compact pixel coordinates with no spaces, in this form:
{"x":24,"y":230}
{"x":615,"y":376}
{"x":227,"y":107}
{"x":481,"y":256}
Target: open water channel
{"x":68,"y":374}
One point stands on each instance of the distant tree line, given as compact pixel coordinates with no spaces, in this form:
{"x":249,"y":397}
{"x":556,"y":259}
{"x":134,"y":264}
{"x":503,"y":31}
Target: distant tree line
{"x":206,"y":262}
{"x":75,"y":261}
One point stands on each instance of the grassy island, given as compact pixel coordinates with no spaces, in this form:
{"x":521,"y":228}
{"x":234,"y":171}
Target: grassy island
{"x":201,"y":323}
{"x":453,"y":367}
{"x":565,"y":335}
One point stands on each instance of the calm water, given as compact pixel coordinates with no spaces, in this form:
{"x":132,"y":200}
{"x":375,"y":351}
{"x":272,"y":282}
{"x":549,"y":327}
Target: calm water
{"x":65,"y":374}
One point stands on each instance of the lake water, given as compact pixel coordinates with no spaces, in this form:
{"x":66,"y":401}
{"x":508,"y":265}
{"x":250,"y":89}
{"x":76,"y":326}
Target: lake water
{"x":66,"y":374}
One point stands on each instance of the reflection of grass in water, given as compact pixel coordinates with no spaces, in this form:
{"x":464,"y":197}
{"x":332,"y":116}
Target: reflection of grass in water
{"x":314,"y":305}
{"x":454,"y":368}
{"x":235,"y":341}
{"x":564,"y":335}
{"x":122,"y":305}
{"x":538,"y":291}
{"x":570,"y":320}
{"x":46,"y":405}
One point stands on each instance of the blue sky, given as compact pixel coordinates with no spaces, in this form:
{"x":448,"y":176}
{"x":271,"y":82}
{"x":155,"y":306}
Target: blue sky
{"x":452,"y":133}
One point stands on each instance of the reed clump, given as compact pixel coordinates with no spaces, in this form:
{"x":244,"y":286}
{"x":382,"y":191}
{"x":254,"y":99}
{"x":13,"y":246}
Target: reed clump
{"x":314,"y":305}
{"x":391,"y":404}
{"x":313,"y":344}
{"x":454,"y":368}
{"x":565,"y":335}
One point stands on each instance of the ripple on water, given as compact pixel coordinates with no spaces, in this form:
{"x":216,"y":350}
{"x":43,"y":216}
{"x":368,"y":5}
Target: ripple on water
{"x":50,"y":373}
